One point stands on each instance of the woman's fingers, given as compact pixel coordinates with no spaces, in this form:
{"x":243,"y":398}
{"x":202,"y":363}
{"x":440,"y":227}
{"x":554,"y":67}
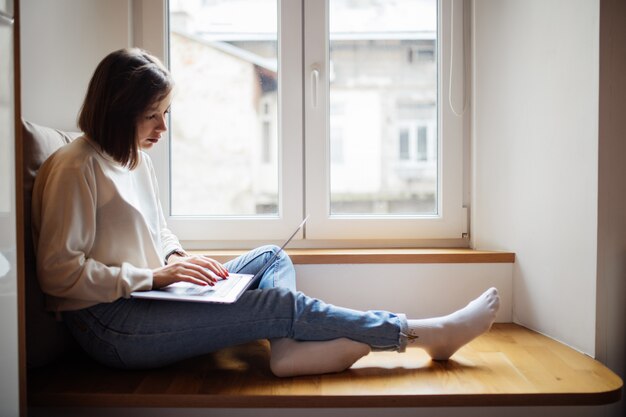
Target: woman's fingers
{"x":218,"y":268}
{"x":210,"y":264}
{"x":199,"y":270}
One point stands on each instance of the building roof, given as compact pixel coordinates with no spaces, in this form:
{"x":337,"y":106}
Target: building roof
{"x":243,"y":54}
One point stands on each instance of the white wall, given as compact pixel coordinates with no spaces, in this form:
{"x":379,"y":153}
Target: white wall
{"x":417,"y":290}
{"x":62,"y":41}
{"x":535,"y":147}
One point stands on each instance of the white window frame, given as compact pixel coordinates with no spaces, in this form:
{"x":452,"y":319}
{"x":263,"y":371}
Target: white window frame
{"x":450,"y":222}
{"x":303,"y":187}
{"x":202,"y":230}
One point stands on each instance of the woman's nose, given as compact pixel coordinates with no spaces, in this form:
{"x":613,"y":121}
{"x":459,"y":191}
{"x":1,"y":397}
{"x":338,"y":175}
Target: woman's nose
{"x":162,"y":127}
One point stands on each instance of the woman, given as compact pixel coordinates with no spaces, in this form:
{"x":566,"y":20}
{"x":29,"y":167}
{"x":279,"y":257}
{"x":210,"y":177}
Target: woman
{"x":100,"y":234}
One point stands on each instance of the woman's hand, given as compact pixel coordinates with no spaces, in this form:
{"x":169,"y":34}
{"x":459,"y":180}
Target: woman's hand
{"x":197,"y":269}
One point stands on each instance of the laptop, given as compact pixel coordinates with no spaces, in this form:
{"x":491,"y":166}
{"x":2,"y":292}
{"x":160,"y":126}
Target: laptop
{"x":225,"y":291}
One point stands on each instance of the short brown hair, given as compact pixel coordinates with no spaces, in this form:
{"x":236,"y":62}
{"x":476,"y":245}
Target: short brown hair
{"x":124,"y":85}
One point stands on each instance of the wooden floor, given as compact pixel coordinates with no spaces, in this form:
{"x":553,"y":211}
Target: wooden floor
{"x":508,"y":366}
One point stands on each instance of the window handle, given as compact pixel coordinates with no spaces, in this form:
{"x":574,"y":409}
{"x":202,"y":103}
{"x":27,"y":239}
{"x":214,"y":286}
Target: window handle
{"x":315,"y":77}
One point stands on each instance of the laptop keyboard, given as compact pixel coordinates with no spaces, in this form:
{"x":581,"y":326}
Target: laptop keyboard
{"x":221,"y":288}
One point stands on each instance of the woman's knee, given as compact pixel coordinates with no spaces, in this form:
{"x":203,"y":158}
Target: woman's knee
{"x":270,"y":250}
{"x":281,"y":272}
{"x":267,"y":252}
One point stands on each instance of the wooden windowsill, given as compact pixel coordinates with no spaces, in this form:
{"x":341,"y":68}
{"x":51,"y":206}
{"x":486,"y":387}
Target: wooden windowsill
{"x":379,"y":256}
{"x":510,"y":365}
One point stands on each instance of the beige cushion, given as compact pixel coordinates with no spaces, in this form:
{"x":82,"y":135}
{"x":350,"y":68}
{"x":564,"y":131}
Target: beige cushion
{"x":46,"y":338}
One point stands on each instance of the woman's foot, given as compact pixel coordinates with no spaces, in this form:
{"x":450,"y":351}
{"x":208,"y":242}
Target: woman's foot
{"x":291,"y":358}
{"x":441,"y":337}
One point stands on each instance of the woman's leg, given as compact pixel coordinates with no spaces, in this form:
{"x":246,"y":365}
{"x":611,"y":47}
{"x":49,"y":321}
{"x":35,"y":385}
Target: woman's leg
{"x":290,"y":357}
{"x":135,"y":333}
{"x":280,"y":274}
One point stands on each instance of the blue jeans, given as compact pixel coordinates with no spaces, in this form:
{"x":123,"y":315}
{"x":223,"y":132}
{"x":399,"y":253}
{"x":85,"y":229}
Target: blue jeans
{"x":135,"y":333}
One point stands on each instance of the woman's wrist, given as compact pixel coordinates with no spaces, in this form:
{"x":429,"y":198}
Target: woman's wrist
{"x":173,"y":255}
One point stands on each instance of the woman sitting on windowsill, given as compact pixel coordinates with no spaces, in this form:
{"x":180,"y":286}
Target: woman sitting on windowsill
{"x":100,"y":234}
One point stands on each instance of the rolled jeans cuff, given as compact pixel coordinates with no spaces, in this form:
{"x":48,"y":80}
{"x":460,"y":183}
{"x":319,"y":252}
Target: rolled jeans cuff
{"x":404,"y":331}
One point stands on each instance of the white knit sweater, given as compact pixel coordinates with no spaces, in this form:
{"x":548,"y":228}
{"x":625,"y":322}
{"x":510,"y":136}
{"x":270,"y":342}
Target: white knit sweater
{"x":98,"y":227}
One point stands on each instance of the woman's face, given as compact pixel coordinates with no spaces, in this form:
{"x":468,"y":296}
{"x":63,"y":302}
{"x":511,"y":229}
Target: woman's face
{"x":152,"y":123}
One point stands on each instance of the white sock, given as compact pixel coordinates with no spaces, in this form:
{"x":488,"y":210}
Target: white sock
{"x":290,"y":357}
{"x":442,"y":336}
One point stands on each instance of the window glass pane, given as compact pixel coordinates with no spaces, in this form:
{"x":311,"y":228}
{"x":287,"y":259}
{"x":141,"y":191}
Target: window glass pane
{"x":422,"y":143}
{"x":336,"y":146}
{"x":224,"y":119}
{"x":383,"y":76}
{"x":404,"y":144}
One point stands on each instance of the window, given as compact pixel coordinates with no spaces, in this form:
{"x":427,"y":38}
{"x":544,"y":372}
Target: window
{"x":416,"y":145}
{"x":422,"y":143}
{"x":349,"y":129}
{"x":405,"y":153}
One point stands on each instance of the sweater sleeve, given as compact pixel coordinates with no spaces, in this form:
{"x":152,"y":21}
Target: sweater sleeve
{"x":64,"y":217}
